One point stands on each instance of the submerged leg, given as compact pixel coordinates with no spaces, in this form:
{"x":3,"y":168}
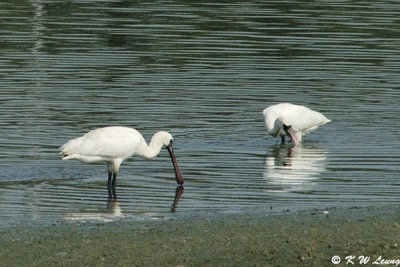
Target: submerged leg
{"x":283,"y":139}
{"x":290,"y":133}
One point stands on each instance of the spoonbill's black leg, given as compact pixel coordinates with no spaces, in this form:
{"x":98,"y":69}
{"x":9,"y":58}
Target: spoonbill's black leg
{"x":283,"y":139}
{"x":109,"y":185}
{"x":114,"y":182}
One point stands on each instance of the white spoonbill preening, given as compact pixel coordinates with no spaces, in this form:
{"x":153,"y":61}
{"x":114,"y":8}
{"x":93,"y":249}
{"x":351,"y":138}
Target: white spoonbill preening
{"x":113,"y":145}
{"x":292,"y":120}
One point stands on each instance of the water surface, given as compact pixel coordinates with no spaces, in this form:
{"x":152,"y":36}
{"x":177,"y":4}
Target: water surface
{"x":204,"y":72}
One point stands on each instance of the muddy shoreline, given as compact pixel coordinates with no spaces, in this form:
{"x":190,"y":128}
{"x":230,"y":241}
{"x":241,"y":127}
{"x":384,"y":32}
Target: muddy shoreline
{"x":246,"y":239}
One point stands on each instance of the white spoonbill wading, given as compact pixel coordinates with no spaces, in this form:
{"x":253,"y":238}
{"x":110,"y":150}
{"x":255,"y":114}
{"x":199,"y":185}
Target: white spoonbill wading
{"x":113,"y":145}
{"x":292,"y":120}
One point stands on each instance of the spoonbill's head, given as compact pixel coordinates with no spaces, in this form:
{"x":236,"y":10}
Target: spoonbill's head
{"x":167,"y":140}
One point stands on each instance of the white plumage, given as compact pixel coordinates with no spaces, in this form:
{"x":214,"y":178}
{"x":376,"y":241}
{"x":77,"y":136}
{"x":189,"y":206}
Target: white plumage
{"x":104,"y":144}
{"x":115,"y":144}
{"x":292,"y":120}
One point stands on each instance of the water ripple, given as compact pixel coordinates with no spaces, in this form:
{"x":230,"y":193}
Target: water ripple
{"x":203,"y":71}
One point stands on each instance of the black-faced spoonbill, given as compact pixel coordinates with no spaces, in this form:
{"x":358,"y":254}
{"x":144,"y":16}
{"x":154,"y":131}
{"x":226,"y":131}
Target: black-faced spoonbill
{"x":292,"y":120}
{"x":115,"y":144}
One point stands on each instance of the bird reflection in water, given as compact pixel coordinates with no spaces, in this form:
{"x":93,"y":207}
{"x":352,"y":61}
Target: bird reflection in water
{"x":113,"y":210}
{"x":294,"y":168}
{"x":178,"y":195}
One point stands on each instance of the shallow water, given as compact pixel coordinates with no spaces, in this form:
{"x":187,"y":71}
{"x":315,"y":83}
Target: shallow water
{"x":204,"y":72}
